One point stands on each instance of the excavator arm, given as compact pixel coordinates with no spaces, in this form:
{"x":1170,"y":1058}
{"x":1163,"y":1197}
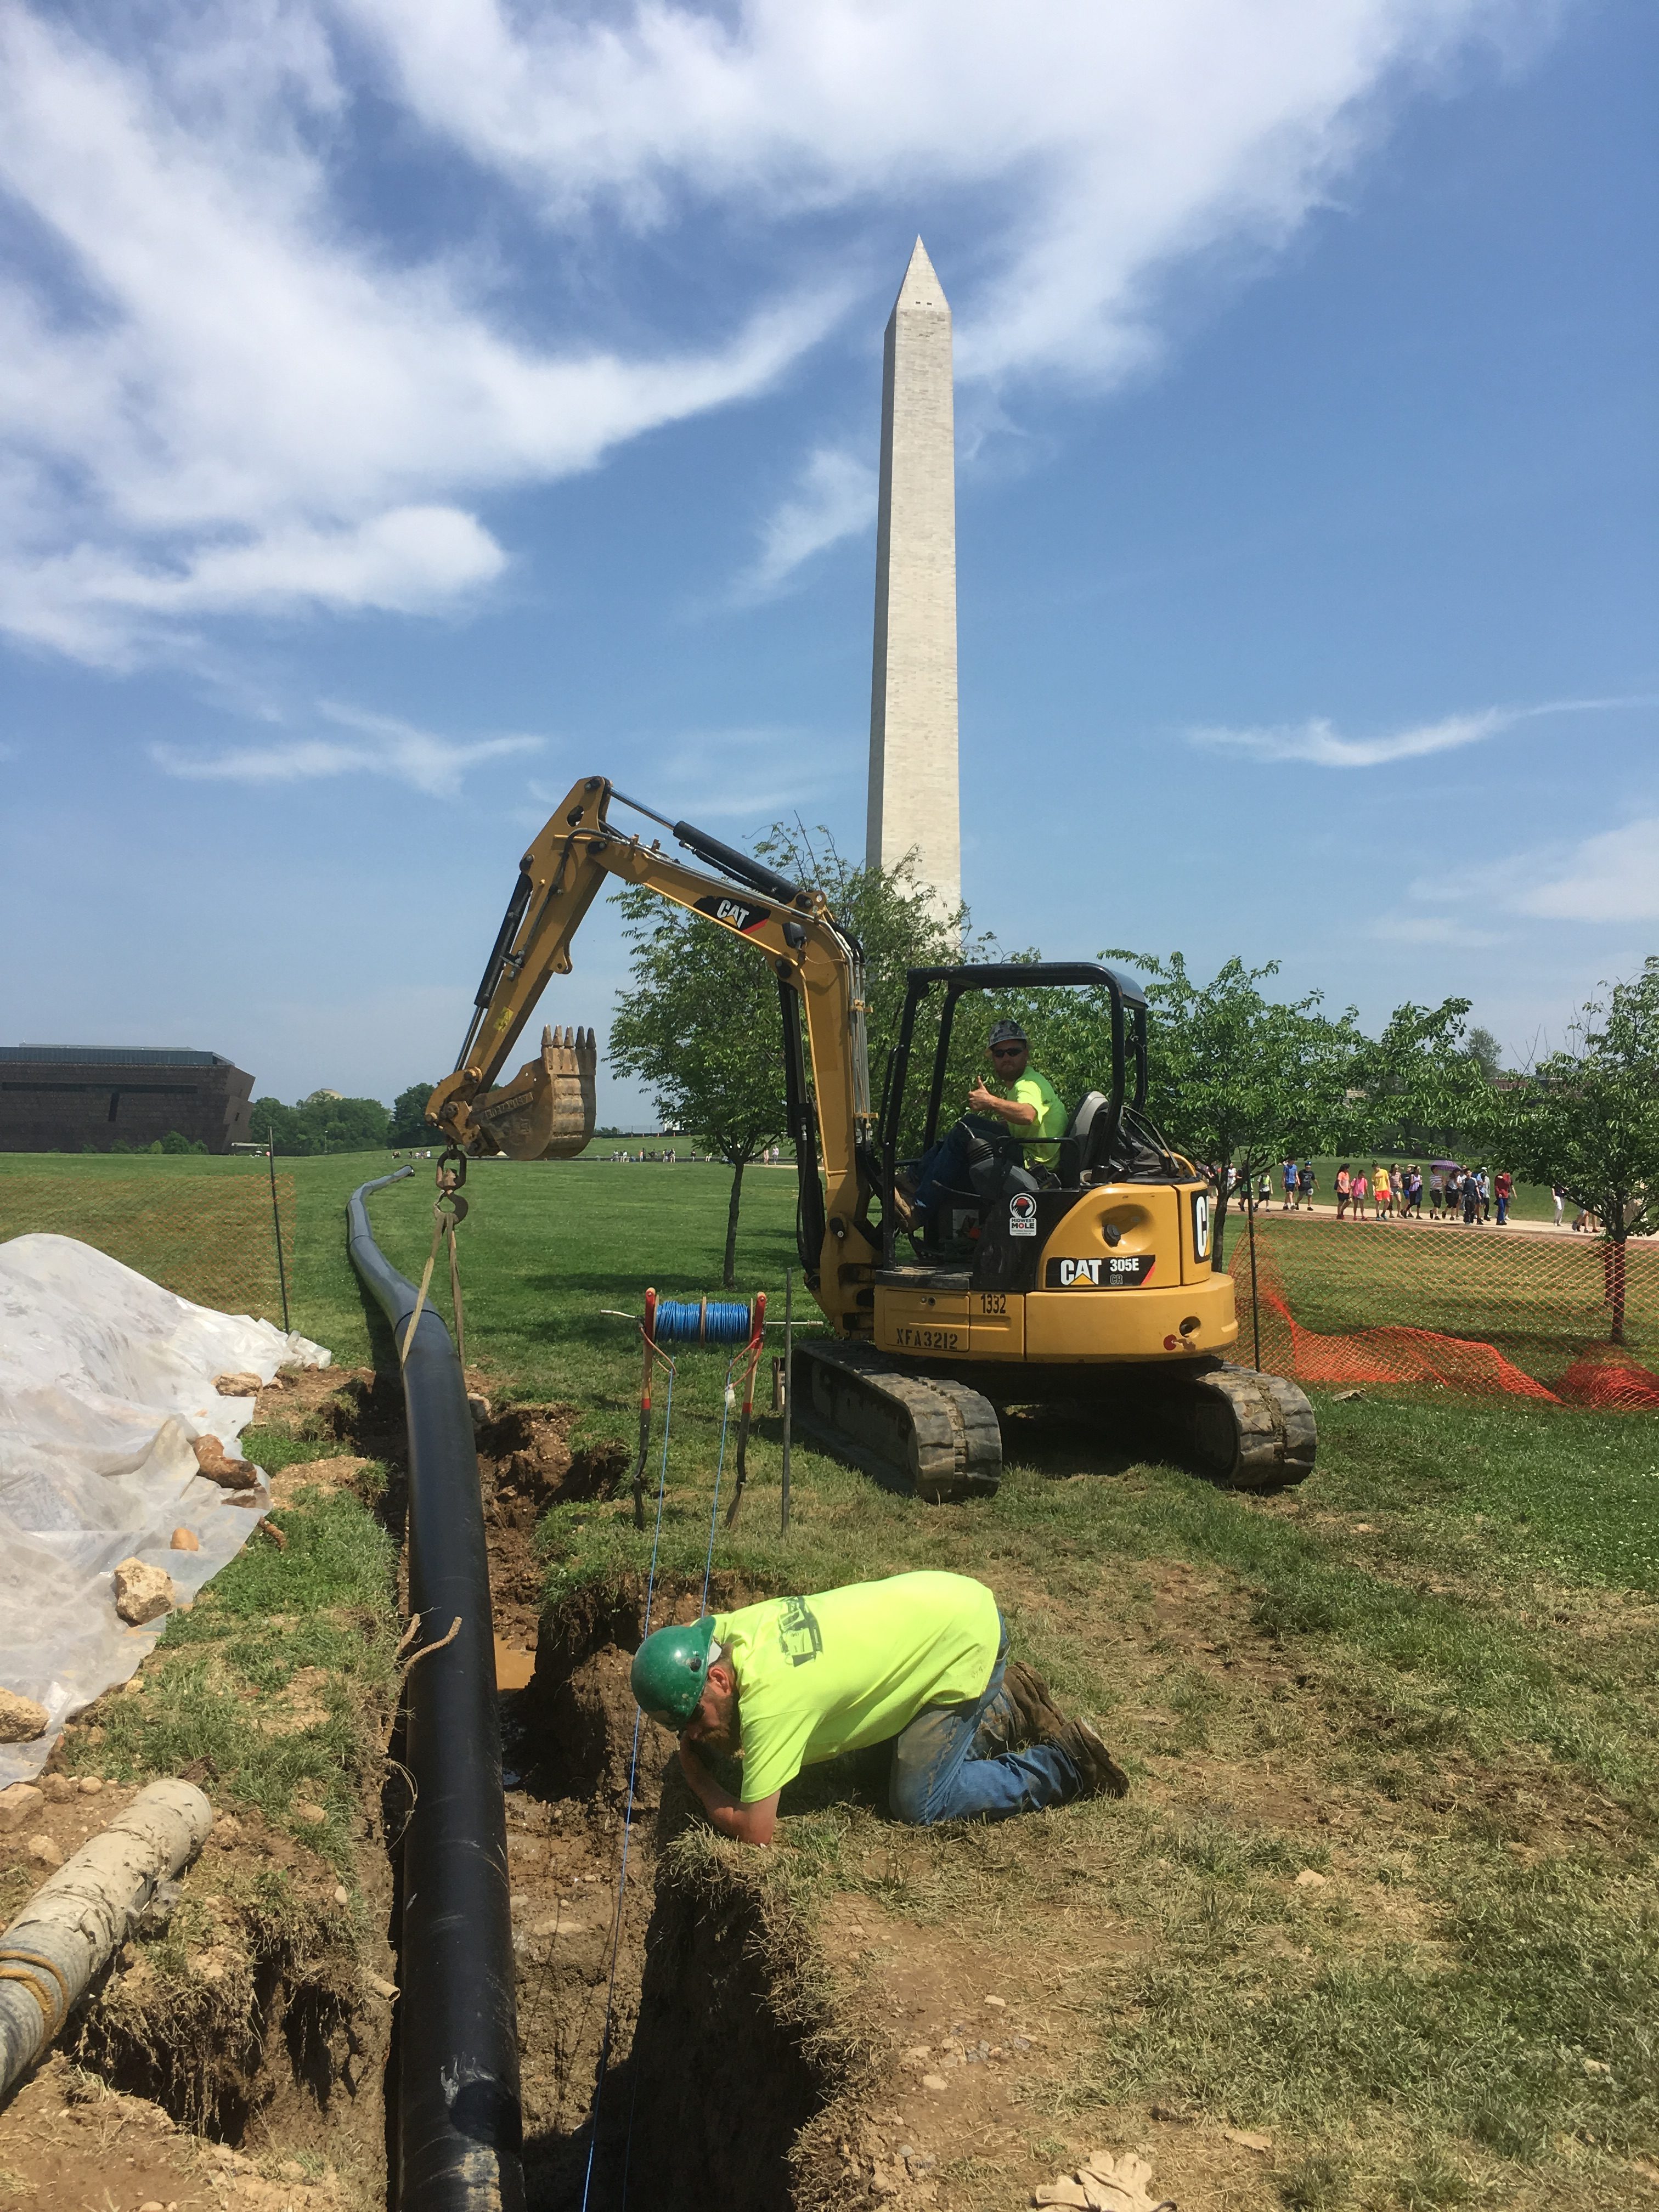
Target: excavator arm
{"x":547,"y":1110}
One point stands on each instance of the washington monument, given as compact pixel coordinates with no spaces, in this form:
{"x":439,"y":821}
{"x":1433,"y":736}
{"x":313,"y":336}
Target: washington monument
{"x":913,"y":699}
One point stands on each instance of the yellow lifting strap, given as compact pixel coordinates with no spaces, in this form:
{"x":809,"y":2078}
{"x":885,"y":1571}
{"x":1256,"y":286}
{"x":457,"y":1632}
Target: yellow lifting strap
{"x":448,"y":1214}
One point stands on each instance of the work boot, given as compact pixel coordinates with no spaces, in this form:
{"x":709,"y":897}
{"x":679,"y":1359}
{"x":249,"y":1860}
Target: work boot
{"x":1100,"y":1773}
{"x":1002,"y":1727}
{"x":1031,"y":1694}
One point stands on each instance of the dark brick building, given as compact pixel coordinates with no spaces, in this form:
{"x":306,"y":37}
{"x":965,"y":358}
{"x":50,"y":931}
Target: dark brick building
{"x":62,"y":1098}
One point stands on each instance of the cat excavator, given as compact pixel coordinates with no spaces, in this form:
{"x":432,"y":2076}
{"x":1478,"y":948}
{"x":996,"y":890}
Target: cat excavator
{"x":1085,"y":1281}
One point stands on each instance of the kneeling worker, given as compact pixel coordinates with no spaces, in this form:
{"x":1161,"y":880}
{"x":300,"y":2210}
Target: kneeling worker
{"x":921,"y":1661}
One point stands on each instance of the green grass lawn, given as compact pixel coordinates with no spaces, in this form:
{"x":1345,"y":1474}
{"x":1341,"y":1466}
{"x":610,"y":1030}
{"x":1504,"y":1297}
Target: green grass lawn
{"x":1426,"y":1676}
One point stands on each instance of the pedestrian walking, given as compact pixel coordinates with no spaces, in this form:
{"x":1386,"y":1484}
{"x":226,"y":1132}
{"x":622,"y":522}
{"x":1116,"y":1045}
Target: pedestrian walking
{"x":1264,"y":1192}
{"x":1344,"y":1183}
{"x":1560,"y":1199}
{"x":1381,"y":1191}
{"x":1503,"y":1189}
{"x":1471,"y":1199}
{"x":1304,"y":1185}
{"x":1288,"y":1199}
{"x":1359,"y":1190}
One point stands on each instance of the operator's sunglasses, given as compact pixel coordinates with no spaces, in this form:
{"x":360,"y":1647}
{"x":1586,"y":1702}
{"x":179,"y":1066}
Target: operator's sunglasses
{"x":1007,"y":1051}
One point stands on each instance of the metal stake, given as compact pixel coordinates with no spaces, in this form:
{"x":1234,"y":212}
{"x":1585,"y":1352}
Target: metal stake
{"x":788,"y":1381}
{"x":1255,"y":1298}
{"x":277,"y":1224}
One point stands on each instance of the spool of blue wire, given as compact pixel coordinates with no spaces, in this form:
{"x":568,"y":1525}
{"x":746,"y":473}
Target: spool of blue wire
{"x":703,"y":1320}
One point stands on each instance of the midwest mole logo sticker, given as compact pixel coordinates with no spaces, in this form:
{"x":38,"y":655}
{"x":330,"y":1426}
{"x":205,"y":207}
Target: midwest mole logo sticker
{"x":736,"y":913}
{"x":1113,"y":1271}
{"x":1022,"y":1214}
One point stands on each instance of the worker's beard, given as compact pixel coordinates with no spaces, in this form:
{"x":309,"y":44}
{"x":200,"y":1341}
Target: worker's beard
{"x":725,"y":1735}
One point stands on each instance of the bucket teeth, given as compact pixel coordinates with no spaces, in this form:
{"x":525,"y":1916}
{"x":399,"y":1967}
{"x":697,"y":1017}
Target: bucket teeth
{"x":547,"y":1111}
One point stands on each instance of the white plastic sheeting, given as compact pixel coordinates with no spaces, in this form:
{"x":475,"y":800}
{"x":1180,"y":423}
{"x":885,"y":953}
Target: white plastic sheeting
{"x":105,"y":1379}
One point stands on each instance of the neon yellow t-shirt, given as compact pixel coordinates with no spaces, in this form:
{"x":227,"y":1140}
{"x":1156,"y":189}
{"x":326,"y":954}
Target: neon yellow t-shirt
{"x":1034,"y":1089}
{"x":820,"y":1675}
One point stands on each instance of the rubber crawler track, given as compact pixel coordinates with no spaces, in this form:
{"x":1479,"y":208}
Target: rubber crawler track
{"x":943,"y":1435}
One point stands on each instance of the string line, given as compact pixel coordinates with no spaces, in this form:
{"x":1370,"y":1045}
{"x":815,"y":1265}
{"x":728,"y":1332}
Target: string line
{"x":627,"y":1816}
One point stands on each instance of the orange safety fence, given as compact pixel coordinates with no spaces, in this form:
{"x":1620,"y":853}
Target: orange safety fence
{"x":1482,"y":1310}
{"x":208,"y":1237}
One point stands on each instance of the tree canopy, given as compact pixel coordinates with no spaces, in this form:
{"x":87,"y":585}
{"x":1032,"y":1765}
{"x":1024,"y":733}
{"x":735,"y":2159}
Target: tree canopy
{"x":1586,"y":1119}
{"x":699,"y":1026}
{"x":320,"y":1124}
{"x":1237,"y":1077}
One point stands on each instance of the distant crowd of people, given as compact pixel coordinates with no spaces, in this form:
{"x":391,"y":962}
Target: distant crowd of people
{"x":1454,"y":1193}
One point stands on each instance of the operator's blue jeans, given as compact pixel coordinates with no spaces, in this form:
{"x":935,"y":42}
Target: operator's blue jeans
{"x":946,"y":1164}
{"x":949,"y":1765}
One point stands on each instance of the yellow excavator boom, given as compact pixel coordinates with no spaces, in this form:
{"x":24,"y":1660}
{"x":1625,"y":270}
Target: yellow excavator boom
{"x":546,"y":1111}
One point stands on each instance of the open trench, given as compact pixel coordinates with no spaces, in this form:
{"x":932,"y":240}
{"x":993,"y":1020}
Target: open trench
{"x":723,"y":2074}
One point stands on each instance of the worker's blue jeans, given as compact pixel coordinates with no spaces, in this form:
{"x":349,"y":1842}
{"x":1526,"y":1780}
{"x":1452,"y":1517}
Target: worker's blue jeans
{"x":949,"y":1765}
{"x":945,"y":1165}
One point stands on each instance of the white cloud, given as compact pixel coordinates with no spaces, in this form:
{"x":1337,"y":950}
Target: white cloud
{"x":1431,"y":929}
{"x":1318,"y":742}
{"x":1612,"y":876}
{"x":834,"y":497}
{"x":226,"y":381}
{"x":381,"y":746}
{"x":1114,"y":138}
{"x":220,"y":397}
{"x":405,"y":561}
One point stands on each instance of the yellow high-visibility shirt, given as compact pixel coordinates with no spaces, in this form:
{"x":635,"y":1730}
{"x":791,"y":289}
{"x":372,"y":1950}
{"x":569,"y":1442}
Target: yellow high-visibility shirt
{"x":820,"y":1675}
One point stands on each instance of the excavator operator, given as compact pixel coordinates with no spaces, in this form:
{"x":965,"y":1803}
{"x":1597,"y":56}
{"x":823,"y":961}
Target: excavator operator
{"x":1024,"y":1104}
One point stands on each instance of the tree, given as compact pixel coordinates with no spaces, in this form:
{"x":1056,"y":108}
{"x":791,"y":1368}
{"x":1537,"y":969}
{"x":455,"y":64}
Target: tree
{"x":1586,"y":1119}
{"x":1236,"y":1077}
{"x":1483,"y":1049}
{"x":1418,"y":1085}
{"x":320,"y":1123}
{"x":895,"y":917}
{"x":899,"y":924}
{"x":408,"y":1123}
{"x":699,"y":1025}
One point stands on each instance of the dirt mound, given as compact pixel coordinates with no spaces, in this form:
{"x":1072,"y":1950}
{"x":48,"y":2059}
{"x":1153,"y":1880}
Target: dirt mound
{"x":527,"y":1464}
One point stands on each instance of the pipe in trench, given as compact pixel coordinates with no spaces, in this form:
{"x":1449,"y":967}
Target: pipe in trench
{"x":71,"y":1927}
{"x":459,"y":2123}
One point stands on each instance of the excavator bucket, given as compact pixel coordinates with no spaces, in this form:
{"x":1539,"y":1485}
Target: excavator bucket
{"x":546,"y":1112}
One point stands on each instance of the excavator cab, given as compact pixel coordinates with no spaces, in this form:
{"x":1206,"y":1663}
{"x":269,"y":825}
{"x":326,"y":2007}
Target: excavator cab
{"x":1108,"y":1137}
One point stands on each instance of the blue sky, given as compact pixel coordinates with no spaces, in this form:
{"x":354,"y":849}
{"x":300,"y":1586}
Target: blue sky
{"x":408,"y":408}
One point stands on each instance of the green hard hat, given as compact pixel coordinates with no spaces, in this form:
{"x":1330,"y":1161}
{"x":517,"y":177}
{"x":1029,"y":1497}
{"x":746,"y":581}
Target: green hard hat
{"x":668,"y":1672}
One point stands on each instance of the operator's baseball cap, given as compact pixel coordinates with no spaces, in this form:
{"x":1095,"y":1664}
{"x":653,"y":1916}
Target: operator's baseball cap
{"x":1008,"y":1033}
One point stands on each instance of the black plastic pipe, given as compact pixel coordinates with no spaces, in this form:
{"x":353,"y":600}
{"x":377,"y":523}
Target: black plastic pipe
{"x":459,"y":2124}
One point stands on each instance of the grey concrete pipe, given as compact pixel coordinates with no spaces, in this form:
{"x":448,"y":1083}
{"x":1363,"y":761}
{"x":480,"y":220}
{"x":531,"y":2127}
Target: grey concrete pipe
{"x":71,"y":1927}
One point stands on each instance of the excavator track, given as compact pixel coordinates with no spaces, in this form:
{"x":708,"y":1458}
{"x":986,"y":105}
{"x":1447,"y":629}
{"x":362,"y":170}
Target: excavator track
{"x":1250,"y":1431}
{"x":942,"y":1436}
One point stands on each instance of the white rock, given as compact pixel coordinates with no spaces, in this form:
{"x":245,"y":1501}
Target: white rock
{"x":141,"y":1593}
{"x":17,"y":1803}
{"x":21,"y":1718}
